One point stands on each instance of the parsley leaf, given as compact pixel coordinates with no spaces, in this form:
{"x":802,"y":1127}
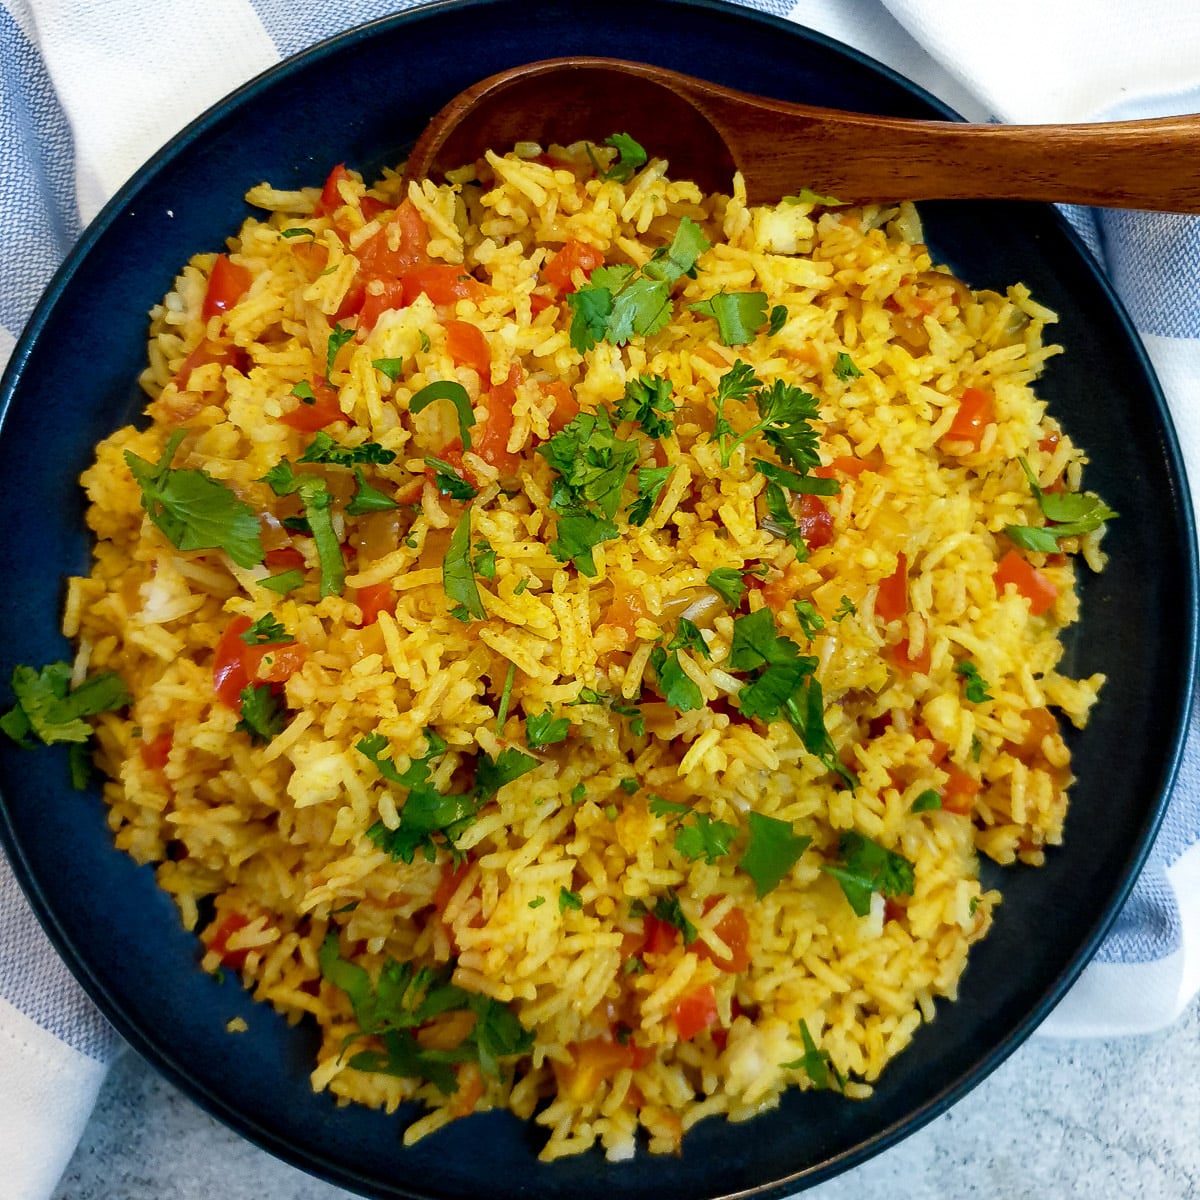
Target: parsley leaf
{"x":650,"y":482}
{"x":578,"y":532}
{"x":630,"y":156}
{"x":704,"y":837}
{"x":845,"y":609}
{"x":668,"y":910}
{"x":844,"y":368}
{"x":283,"y":480}
{"x":46,"y":707}
{"x":678,"y":688}
{"x":326,"y":449}
{"x":492,"y":774}
{"x":448,"y":481}
{"x":617,"y":704}
{"x":284,"y":582}
{"x":647,"y":400}
{"x":263,"y":713}
{"x":338,"y":337}
{"x":458,"y":577}
{"x":266,"y":631}
{"x":591,"y":461}
{"x":727,"y":582}
{"x":392,"y":368}
{"x":688,"y":637}
{"x":194,"y":510}
{"x":1072,"y":514}
{"x":977,"y":687}
{"x":643,"y":306}
{"x":777,"y":319}
{"x":802,"y":485}
{"x":866,"y":867}
{"x":816,"y":1064}
{"x":485,"y":559}
{"x":447,"y":389}
{"x":780,"y":521}
{"x":810,"y":620}
{"x":786,"y":412}
{"x":738,"y":383}
{"x":544,"y":729}
{"x":367,"y":499}
{"x":591,"y":307}
{"x":739,"y":315}
{"x":774,"y":849}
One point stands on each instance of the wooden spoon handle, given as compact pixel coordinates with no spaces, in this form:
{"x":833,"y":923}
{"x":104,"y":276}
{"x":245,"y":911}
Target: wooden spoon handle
{"x":1152,"y":164}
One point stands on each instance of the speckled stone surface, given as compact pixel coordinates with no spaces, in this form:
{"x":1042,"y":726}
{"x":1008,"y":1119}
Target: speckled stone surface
{"x":1105,"y":1120}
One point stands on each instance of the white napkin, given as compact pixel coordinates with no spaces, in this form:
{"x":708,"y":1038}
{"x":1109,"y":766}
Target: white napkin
{"x":90,"y":88}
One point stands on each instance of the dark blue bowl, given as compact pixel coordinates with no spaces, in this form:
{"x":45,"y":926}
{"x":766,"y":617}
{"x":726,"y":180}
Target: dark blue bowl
{"x":363,"y":98}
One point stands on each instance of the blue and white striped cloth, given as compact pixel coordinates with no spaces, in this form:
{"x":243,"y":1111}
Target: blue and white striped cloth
{"x":90,"y":88}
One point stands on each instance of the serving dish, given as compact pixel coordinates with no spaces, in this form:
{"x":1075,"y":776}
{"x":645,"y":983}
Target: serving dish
{"x":71,"y":381}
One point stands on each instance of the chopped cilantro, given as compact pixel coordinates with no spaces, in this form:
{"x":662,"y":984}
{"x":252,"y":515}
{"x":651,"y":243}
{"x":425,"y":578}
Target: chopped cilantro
{"x":537,"y":902}
{"x":816,"y":1064}
{"x":544,"y":729}
{"x":780,"y":520}
{"x":845,"y":609}
{"x":927,"y":801}
{"x":738,"y":383}
{"x":727,"y":582}
{"x":1072,"y":513}
{"x":579,"y":532}
{"x":493,"y":774}
{"x":977,"y":687}
{"x":522,"y":584}
{"x":48,"y":709}
{"x":617,"y":704}
{"x":865,"y":867}
{"x":739,"y":315}
{"x":650,"y":482}
{"x":633,"y":966}
{"x":629,"y":786}
{"x":392,"y":368}
{"x":303,"y":391}
{"x":630,"y":156}
{"x":367,"y":499}
{"x":810,"y":620}
{"x":776,"y":319}
{"x":505,"y":697}
{"x":284,"y":582}
{"x":579,"y":793}
{"x":688,"y":637}
{"x":266,"y":631}
{"x":786,"y":413}
{"x":647,"y":400}
{"x":283,"y":480}
{"x":813,"y":199}
{"x":338,"y":337}
{"x":568,"y":899}
{"x":297,"y":231}
{"x":326,"y":449}
{"x":447,"y":389}
{"x":485,"y":559}
{"x":263,"y":713}
{"x":844,"y":368}
{"x":448,"y":481}
{"x":668,"y":909}
{"x":704,"y":837}
{"x":458,"y":577}
{"x":678,"y":688}
{"x":194,"y":510}
{"x":669,"y":810}
{"x":774,"y":849}
{"x":802,"y":485}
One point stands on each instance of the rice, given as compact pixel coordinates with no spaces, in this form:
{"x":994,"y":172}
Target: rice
{"x":647,"y":917}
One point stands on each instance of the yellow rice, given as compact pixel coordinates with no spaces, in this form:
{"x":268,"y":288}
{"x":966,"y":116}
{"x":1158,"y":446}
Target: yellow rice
{"x":276,"y":833}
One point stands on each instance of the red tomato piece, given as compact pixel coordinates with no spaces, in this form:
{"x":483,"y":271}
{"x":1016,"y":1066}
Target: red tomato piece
{"x":492,"y":442}
{"x":561,"y":267}
{"x":219,"y":941}
{"x":566,"y":407}
{"x":468,"y":347}
{"x":229,"y":671}
{"x":976,"y":411}
{"x":452,"y":453}
{"x":903,"y":657}
{"x":324,"y":409}
{"x":227,"y":284}
{"x":374,"y":599}
{"x":734,"y":930}
{"x":330,"y":198}
{"x":384,"y":296}
{"x":661,"y":936}
{"x":443,"y":283}
{"x":154,"y":754}
{"x":276,"y":663}
{"x":284,"y":558}
{"x":1028,"y":580}
{"x":891,"y":600}
{"x":695,"y":1012}
{"x":815,"y":522}
{"x":959,"y":791}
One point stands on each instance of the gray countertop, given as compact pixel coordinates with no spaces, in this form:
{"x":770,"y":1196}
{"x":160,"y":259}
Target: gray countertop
{"x":1105,"y":1119}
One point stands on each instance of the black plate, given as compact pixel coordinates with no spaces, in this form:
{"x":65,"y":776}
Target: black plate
{"x":363,"y":98}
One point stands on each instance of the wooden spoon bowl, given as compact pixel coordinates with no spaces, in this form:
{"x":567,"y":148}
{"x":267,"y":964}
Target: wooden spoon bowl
{"x":707,"y":132}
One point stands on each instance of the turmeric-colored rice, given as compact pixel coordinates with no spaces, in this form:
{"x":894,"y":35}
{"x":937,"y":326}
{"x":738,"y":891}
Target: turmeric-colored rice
{"x":621,"y":958}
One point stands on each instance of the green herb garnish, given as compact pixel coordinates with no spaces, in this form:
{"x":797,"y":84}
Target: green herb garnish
{"x":774,"y":849}
{"x":447,"y":389}
{"x":865,"y":867}
{"x":458,"y":576}
{"x":739,"y":315}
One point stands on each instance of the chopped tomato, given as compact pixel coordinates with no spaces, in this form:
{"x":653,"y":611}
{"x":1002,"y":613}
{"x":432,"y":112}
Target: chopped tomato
{"x":661,"y":936}
{"x":625,"y":610}
{"x":538,"y":303}
{"x":284,"y":558}
{"x":891,"y":600}
{"x":219,"y":941}
{"x":452,"y":877}
{"x":374,"y":599}
{"x":959,"y":791}
{"x":695,"y":1012}
{"x":815,"y":522}
{"x":734,"y":930}
{"x":452,"y":454}
{"x":323,"y":410}
{"x":371,"y":208}
{"x":561,"y":267}
{"x":236,"y":665}
{"x":903,"y":657}
{"x":1028,"y":580}
{"x":276,"y":663}
{"x":938,"y":750}
{"x":468,"y":347}
{"x":378,"y":260}
{"x":154,"y":754}
{"x":443,"y":283}
{"x":205,"y":353}
{"x":383,"y":296}
{"x":566,"y":407}
{"x":330,"y":198}
{"x":492,"y":442}
{"x":1042,"y":723}
{"x":594,"y":1061}
{"x":976,"y":411}
{"x":227,"y":284}
{"x":848,"y":465}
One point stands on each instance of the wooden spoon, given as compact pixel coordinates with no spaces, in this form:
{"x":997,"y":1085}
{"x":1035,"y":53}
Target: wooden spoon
{"x":707,"y":132}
